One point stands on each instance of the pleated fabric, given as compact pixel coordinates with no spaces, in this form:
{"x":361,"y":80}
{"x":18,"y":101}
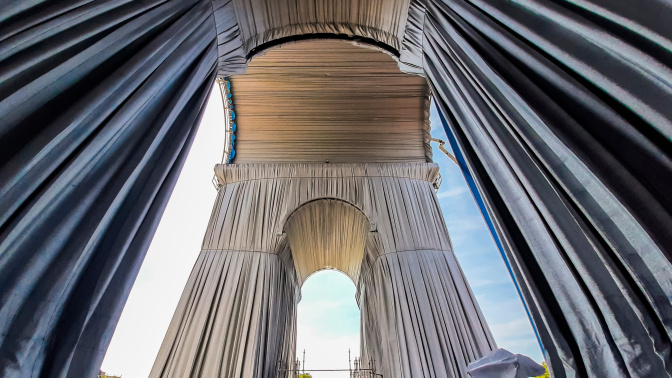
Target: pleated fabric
{"x":231,"y":55}
{"x":251,"y":210}
{"x":263,"y":21}
{"x":99,"y":104}
{"x":558,"y":112}
{"x":330,"y":100}
{"x":236,"y":318}
{"x":327,"y":234}
{"x":379,"y":223}
{"x":419,"y":317}
{"x":560,"y":115}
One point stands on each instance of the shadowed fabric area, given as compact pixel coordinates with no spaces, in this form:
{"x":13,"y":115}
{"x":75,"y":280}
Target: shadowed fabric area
{"x":560,"y":116}
{"x":99,"y":104}
{"x":319,"y":100}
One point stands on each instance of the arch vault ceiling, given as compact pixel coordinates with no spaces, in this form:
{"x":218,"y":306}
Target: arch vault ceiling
{"x":327,"y":234}
{"x":329,"y":100}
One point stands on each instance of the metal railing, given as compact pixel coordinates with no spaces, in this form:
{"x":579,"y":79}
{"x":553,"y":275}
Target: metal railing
{"x":292,"y":373}
{"x":356,"y":370}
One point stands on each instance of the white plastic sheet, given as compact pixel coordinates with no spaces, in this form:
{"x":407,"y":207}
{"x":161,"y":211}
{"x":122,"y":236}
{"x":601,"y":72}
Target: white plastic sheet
{"x":500,"y":363}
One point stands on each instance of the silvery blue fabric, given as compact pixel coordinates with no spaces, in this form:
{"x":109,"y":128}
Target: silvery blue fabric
{"x":99,"y":103}
{"x":559,"y":113}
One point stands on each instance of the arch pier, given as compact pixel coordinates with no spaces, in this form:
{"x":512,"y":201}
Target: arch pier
{"x":275,"y":224}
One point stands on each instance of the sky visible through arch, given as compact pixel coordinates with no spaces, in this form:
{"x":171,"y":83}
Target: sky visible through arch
{"x":327,"y":323}
{"x":326,"y":313}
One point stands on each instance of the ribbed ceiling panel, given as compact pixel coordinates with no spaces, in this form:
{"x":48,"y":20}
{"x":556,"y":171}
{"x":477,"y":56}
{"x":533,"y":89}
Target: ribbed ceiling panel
{"x":319,"y":100}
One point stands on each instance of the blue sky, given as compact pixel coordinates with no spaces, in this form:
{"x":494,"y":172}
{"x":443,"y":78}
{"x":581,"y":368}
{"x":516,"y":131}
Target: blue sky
{"x":328,"y":317}
{"x":328,"y":322}
{"x":480,"y":259}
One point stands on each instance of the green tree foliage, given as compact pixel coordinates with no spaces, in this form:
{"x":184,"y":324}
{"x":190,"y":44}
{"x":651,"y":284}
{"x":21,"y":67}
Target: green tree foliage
{"x":102,"y":374}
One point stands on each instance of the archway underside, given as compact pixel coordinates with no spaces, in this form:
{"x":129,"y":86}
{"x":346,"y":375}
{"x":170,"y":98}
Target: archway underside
{"x":327,"y":234}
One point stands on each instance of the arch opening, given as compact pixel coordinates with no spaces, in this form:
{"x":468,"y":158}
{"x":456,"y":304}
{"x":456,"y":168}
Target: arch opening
{"x":328,"y":323}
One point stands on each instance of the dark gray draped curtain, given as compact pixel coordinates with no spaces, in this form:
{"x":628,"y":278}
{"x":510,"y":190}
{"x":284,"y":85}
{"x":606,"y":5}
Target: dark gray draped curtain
{"x":561,"y":116}
{"x":99,"y":103}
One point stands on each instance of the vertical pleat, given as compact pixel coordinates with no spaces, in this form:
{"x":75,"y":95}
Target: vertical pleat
{"x":231,"y":57}
{"x":259,"y":198}
{"x":558,"y":112}
{"x":99,"y":104}
{"x":379,"y":223}
{"x":236,"y":318}
{"x":419,"y":316}
{"x":263,"y":21}
{"x":560,"y":115}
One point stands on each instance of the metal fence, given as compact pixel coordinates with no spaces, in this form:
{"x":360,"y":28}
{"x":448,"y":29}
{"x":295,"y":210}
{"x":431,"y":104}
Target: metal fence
{"x":356,"y":370}
{"x":300,"y":373}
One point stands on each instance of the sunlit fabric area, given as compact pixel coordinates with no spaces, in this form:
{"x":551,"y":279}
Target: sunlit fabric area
{"x":556,"y":115}
{"x":298,"y":196}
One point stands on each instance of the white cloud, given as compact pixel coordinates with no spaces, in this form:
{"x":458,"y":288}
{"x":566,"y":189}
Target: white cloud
{"x":451,"y":192}
{"x":512,"y":329}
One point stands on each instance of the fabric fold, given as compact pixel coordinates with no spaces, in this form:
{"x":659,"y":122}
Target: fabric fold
{"x":98,"y":108}
{"x":380,"y":224}
{"x":555,"y":112}
{"x":236,"y":318}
